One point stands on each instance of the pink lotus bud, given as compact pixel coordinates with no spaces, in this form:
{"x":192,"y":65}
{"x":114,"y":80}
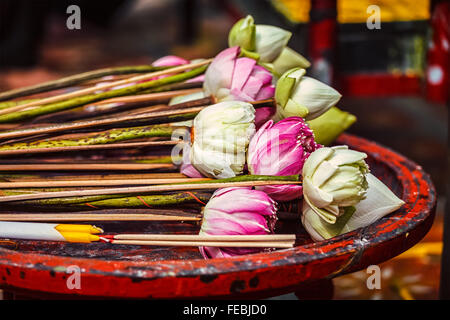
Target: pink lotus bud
{"x":229,"y":77}
{"x":281,"y":149}
{"x":237,"y":211}
{"x":262,"y":115}
{"x":199,"y":78}
{"x":169,"y":61}
{"x":189,"y":170}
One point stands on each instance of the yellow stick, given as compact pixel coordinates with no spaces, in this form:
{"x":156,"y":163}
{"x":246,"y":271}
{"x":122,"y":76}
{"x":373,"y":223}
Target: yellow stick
{"x":78,"y":228}
{"x":80,"y":237}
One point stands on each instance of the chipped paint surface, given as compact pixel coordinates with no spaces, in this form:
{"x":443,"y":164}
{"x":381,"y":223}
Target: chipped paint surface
{"x":143,"y":272}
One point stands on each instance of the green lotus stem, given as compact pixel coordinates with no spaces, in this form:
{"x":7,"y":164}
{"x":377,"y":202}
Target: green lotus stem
{"x":90,"y":98}
{"x":248,"y":178}
{"x":76,"y":79}
{"x":111,"y":136}
{"x":150,"y":200}
{"x":164,"y":159}
{"x":9,"y":104}
{"x":115,"y":201}
{"x":174,"y":86}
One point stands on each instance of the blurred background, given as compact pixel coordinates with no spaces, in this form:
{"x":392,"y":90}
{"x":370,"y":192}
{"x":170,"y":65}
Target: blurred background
{"x":395,"y":78}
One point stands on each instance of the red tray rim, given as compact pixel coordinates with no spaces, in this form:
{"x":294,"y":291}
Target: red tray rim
{"x":245,"y":274}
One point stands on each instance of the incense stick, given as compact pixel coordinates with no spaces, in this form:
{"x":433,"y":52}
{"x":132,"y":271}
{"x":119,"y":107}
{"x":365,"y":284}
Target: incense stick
{"x":147,"y":97}
{"x":75,"y":79}
{"x":85,"y":166}
{"x":101,"y":122}
{"x":86,"y":148}
{"x":94,"y":183}
{"x":56,"y":217}
{"x":145,"y":189}
{"x":255,"y":244}
{"x":107,"y":176}
{"x":105,"y":86}
{"x":213,"y":238}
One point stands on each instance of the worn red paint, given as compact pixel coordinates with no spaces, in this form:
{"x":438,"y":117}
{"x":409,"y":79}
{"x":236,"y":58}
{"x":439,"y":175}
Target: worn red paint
{"x":255,"y":275}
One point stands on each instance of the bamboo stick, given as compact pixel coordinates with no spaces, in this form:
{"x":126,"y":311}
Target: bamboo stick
{"x":199,"y":185}
{"x":107,"y":176}
{"x":110,"y":136}
{"x":206,"y":238}
{"x":256,"y":244}
{"x":106,"y":159}
{"x":99,"y":108}
{"x":105,"y":86}
{"x":99,"y":202}
{"x":161,"y":113}
{"x":149,"y":97}
{"x":90,"y":98}
{"x":83,"y":148}
{"x":93,"y":217}
{"x":76,"y":79}
{"x":86,"y":166}
{"x":94,"y":183}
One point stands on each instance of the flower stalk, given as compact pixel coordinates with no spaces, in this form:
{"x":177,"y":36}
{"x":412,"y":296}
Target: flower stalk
{"x":94,"y":97}
{"x":77,"y":79}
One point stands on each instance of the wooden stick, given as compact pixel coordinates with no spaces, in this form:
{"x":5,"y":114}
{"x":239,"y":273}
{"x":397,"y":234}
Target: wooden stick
{"x":105,"y":86}
{"x":94,"y":183}
{"x":146,"y":97}
{"x":84,"y":148}
{"x":141,"y":190}
{"x":206,"y":238}
{"x":100,"y":122}
{"x":254,"y":244}
{"x":76,"y":79}
{"x":107,"y":176}
{"x":85,"y":166}
{"x":93,"y":217}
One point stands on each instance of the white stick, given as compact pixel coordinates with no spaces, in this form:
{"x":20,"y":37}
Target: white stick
{"x":30,"y":231}
{"x":256,"y":244}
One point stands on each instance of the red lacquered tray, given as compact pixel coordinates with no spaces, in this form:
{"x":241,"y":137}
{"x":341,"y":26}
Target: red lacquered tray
{"x":40,"y":268}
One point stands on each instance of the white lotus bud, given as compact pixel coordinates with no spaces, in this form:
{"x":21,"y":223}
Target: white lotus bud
{"x":221,"y":134}
{"x":379,"y":202}
{"x":334,"y":178}
{"x":270,"y":42}
{"x":301,"y":96}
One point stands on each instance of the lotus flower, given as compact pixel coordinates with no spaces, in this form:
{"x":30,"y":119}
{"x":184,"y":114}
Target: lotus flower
{"x":281,"y":149}
{"x":221,"y":135}
{"x":266,"y":41}
{"x":229,"y":77}
{"x":169,"y":61}
{"x":173,"y":61}
{"x":266,"y":44}
{"x":333,"y":179}
{"x":379,"y":202}
{"x":288,"y":59}
{"x":237,"y":211}
{"x":187,"y":168}
{"x":301,"y":96}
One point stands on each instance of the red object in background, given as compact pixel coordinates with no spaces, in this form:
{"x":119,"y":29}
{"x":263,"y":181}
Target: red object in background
{"x":322,"y":39}
{"x":379,"y":84}
{"x":438,"y":69}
